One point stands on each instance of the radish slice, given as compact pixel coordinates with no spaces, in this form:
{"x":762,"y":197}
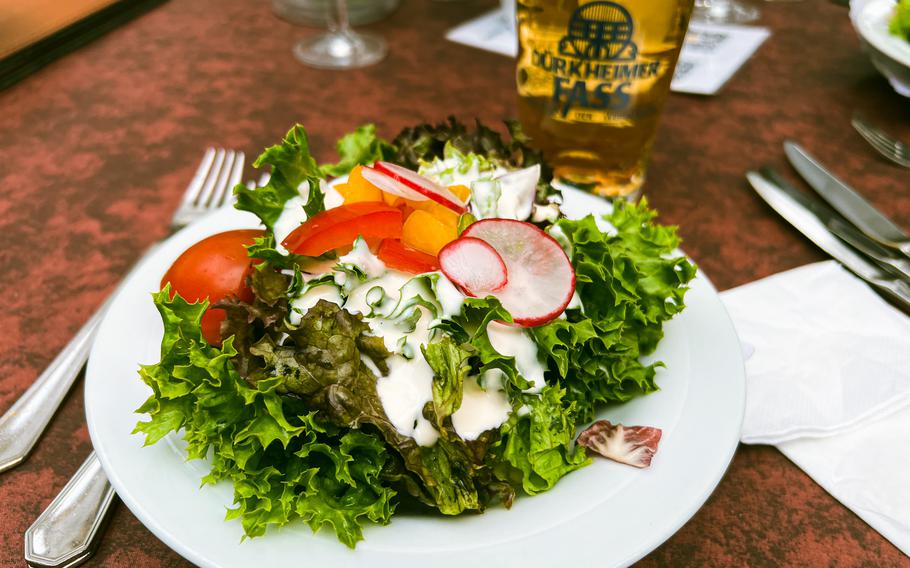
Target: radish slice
{"x":541,"y":280}
{"x":474,"y":266}
{"x":631,"y":445}
{"x":422,"y":185}
{"x":389,"y":185}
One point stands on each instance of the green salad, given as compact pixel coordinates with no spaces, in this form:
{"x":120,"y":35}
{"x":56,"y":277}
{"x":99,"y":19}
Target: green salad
{"x":900,"y":22}
{"x":432,"y":331}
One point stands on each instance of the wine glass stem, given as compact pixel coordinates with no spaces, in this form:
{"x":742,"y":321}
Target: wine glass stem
{"x":339,"y":22}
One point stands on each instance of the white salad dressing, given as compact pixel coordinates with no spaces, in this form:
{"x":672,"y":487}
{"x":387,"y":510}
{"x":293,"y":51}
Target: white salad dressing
{"x":302,"y":304}
{"x":333,"y":199}
{"x":482,"y":408}
{"x":450,"y":299}
{"x":403,"y":393}
{"x":291,"y":218}
{"x":514,"y":342}
{"x":390,"y":283}
{"x":363,"y":258}
{"x":399,"y":338}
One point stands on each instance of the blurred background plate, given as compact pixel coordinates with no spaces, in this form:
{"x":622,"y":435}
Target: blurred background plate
{"x":890,"y":54}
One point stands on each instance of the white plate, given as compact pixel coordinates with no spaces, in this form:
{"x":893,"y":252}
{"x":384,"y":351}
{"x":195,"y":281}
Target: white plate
{"x":603,"y":515}
{"x":890,"y":54}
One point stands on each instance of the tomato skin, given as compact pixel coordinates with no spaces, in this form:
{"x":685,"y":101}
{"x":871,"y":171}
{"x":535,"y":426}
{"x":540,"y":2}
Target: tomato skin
{"x":342,"y":225}
{"x":215,"y":268}
{"x":399,"y":256}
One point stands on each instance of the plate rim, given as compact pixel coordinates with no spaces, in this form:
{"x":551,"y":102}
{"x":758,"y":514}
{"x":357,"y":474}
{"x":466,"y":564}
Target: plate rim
{"x":646,"y":545}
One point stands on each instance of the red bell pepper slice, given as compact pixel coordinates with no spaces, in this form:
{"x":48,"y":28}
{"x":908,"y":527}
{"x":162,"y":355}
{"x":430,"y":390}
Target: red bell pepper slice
{"x":399,"y":256}
{"x":342,"y":225}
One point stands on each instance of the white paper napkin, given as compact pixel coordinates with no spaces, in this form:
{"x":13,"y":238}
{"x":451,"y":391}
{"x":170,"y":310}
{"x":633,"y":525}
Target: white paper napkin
{"x":828,"y":383}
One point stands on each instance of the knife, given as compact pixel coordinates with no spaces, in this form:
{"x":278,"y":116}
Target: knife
{"x":897,"y":265}
{"x":846,"y":201}
{"x":810,"y":225}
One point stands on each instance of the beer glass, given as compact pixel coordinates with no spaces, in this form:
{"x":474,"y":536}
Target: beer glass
{"x":593,"y":76}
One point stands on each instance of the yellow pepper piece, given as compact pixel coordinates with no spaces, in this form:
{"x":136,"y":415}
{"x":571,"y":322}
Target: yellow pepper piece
{"x":393,"y":200}
{"x":441,"y":212}
{"x":358,"y":189}
{"x":427,"y":233}
{"x":462,"y":191}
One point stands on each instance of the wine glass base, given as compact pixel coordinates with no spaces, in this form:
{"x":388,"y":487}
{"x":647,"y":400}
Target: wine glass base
{"x":724,"y":12}
{"x":336,"y":50}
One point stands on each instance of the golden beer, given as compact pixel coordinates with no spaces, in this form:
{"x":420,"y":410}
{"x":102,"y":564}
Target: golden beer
{"x":593,"y":76}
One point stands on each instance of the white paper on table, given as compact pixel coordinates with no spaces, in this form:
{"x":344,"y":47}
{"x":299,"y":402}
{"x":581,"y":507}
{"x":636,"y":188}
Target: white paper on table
{"x":829,"y":353}
{"x":489,"y":32}
{"x":828,"y":383}
{"x":867,"y":469}
{"x":710,"y":55}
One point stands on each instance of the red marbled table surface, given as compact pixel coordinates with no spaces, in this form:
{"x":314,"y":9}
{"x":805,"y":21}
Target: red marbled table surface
{"x":95,"y":151}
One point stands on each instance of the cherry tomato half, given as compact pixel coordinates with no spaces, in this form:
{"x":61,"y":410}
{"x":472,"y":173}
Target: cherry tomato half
{"x":342,"y":225}
{"x":399,"y":256}
{"x":215,"y":268}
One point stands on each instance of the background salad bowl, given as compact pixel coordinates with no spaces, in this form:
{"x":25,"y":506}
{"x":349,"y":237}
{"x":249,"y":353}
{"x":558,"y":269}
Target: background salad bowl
{"x":606,"y":514}
{"x":889,"y":53}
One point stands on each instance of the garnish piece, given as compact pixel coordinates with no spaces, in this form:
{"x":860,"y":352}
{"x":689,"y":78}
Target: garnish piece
{"x":631,"y":445}
{"x":342,"y":225}
{"x":391,"y":186}
{"x":541,"y":280}
{"x":474,"y":266}
{"x":422,"y":185}
{"x":517,"y":190}
{"x":398,"y":256}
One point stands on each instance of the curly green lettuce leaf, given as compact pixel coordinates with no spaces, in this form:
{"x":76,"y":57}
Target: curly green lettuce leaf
{"x":535,"y":449}
{"x":629,"y":283}
{"x":900,"y":21}
{"x":292,"y":165}
{"x":284,"y":461}
{"x":360,"y":147}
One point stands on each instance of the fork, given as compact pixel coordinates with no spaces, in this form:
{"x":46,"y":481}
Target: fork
{"x":887,"y":146}
{"x":64,"y":534}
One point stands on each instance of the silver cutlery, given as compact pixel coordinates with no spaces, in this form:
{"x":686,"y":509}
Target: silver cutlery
{"x":847,"y":202}
{"x":801,"y":217}
{"x":22,"y":425}
{"x":67,"y":532}
{"x":896,"y":264}
{"x":887,"y":146}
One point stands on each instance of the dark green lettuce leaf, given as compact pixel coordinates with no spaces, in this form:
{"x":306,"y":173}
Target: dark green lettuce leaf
{"x":629,"y":284}
{"x":427,"y":142}
{"x":292,"y":165}
{"x":362,"y":146}
{"x":535,"y":449}
{"x":285,"y":461}
{"x":321,"y":363}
